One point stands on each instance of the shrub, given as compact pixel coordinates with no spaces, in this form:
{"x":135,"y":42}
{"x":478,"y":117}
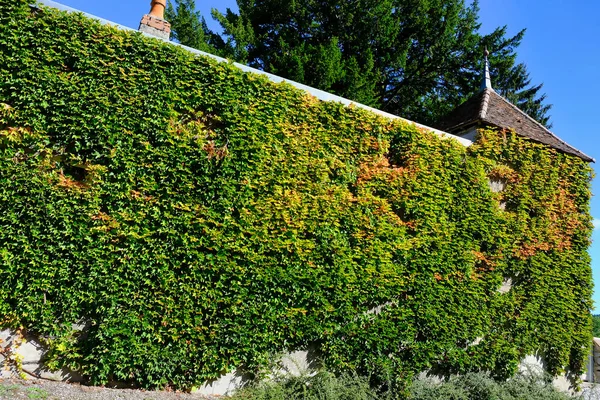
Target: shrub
{"x":480,"y":386}
{"x":471,"y":386}
{"x":320,"y":386}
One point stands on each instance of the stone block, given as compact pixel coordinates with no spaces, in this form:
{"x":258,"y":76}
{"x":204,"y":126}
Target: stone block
{"x":155,"y":26}
{"x":225,"y":385}
{"x":31,"y":354}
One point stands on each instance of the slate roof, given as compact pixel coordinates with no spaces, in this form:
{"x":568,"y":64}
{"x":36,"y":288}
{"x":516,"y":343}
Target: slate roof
{"x":489,"y":108}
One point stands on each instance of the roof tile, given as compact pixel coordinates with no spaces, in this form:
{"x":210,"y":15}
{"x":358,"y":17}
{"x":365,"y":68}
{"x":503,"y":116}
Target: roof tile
{"x":489,"y":108}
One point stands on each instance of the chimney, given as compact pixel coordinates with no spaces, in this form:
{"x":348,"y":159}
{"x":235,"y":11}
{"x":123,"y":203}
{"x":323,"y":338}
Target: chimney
{"x":154,"y":22}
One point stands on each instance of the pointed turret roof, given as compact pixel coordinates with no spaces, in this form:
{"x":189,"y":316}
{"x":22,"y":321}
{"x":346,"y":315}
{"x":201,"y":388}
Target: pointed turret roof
{"x":486,"y":83}
{"x":488,"y":108}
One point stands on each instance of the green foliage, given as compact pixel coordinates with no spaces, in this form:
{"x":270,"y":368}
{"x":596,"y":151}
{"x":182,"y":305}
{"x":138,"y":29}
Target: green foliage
{"x":320,"y":386}
{"x":479,"y":386}
{"x":15,"y":391}
{"x":188,"y":27}
{"x":596,"y":325}
{"x":196,"y":219}
{"x":511,"y":80}
{"x":418,"y":59}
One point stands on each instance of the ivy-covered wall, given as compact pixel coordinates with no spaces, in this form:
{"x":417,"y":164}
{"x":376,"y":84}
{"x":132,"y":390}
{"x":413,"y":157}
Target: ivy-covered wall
{"x":198,"y":219}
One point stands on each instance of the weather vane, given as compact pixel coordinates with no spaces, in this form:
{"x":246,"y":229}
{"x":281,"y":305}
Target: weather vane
{"x":487,"y":80}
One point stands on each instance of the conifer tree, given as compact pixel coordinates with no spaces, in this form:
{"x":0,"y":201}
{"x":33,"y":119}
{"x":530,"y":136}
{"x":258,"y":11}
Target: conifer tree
{"x":415,"y":58}
{"x":188,"y":27}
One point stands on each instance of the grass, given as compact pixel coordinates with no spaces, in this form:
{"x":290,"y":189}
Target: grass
{"x":32,"y":393}
{"x":36,"y":393}
{"x":4,"y":389}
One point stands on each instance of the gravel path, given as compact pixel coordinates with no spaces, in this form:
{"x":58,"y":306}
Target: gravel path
{"x":32,"y":389}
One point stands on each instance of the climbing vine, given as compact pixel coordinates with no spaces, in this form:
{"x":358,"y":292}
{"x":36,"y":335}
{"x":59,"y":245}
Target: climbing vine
{"x":166,"y":219}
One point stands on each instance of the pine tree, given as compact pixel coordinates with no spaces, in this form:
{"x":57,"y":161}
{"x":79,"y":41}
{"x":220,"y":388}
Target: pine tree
{"x":415,"y":58}
{"x":188,"y":27}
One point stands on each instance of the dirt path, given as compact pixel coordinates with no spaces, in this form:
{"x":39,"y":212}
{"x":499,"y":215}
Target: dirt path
{"x":39,"y":389}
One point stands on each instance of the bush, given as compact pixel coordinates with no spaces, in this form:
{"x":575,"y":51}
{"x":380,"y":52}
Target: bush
{"x":471,"y":386}
{"x":320,"y":386}
{"x":480,"y":386}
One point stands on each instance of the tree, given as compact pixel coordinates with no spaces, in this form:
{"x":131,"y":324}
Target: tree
{"x":415,"y":58}
{"x":188,"y":27}
{"x":596,"y":325}
{"x":512,"y":80}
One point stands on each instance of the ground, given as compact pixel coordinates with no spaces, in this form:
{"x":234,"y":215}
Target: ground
{"x":31,"y":389}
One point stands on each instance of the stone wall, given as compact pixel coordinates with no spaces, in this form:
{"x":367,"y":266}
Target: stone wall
{"x":593,"y":376}
{"x":23,"y":355}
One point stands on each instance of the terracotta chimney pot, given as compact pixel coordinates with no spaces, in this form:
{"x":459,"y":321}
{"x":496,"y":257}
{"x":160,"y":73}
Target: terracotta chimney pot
{"x":158,"y":8}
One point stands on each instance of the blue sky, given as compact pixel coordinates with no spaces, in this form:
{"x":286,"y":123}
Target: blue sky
{"x":561,"y":50}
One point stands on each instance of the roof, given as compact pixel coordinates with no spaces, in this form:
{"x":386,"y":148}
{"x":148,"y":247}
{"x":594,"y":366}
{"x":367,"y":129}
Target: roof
{"x":489,"y":108}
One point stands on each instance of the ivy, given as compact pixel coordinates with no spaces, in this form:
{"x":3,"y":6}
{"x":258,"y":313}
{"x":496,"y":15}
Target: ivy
{"x":166,"y":218}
